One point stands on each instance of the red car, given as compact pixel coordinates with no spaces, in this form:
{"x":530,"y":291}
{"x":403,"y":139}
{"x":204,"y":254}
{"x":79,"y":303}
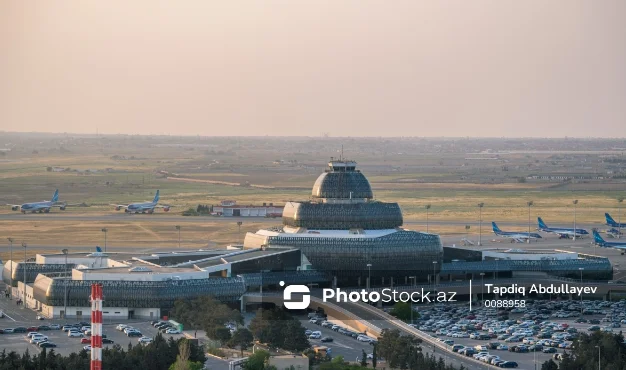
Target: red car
{"x":33,"y":328}
{"x":85,"y":341}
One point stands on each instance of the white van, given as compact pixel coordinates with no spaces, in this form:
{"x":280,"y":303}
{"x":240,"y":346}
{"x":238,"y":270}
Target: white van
{"x":315,"y":335}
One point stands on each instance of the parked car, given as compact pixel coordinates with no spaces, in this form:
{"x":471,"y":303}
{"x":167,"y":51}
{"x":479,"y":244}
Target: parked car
{"x":107,"y":341}
{"x":46,"y":345}
{"x":85,"y":341}
{"x":327,"y":339}
{"x":55,"y":326}
{"x":75,"y":334}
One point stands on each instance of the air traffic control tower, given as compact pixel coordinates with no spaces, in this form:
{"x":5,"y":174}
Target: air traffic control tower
{"x":344,"y":231}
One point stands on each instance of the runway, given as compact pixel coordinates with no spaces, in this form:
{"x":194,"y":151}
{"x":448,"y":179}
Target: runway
{"x":165,"y":217}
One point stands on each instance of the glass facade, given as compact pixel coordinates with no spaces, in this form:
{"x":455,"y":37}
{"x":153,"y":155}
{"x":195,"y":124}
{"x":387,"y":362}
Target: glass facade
{"x":342,"y":185}
{"x":401,"y":253}
{"x":328,"y":216}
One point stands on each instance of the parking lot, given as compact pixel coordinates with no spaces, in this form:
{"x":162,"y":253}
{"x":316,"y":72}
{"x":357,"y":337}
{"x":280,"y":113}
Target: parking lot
{"x":16,"y":316}
{"x":342,"y":345}
{"x":548,"y":325}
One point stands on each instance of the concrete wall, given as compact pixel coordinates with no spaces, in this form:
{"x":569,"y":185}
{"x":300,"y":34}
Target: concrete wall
{"x":108,"y":313}
{"x":528,"y":256}
{"x":286,"y":362}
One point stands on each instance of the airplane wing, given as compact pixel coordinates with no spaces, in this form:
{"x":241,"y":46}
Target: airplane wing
{"x":163,"y":206}
{"x":14,"y":205}
{"x":119,"y":206}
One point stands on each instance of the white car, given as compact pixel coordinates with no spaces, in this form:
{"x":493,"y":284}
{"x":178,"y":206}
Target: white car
{"x":55,"y":326}
{"x":38,"y":338}
{"x":74,"y":334}
{"x":145,"y":340}
{"x":87,"y":347}
{"x":172,"y":331}
{"x":30,"y":335}
{"x":127,"y":329}
{"x":315,"y":336}
{"x":121,"y":327}
{"x":363,"y":338}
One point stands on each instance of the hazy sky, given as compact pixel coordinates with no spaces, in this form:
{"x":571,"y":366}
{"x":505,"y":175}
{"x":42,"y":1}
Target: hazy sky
{"x":346,"y":68}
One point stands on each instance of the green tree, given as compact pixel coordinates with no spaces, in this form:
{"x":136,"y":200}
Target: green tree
{"x":241,"y":338}
{"x":257,"y":361}
{"x":363,"y":358}
{"x":374,"y":356}
{"x":220,"y":333}
{"x":402,"y":310}
{"x":279,"y":330}
{"x":549,"y":365}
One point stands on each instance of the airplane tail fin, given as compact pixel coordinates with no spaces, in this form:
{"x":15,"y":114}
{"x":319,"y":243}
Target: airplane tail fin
{"x":156,"y":197}
{"x":597,"y":238}
{"x":495,"y":227}
{"x":609,"y":220}
{"x":55,"y":197}
{"x":542,"y":225}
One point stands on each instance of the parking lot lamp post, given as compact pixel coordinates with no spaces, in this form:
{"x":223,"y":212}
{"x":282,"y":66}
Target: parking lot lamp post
{"x":427,"y":208}
{"x":369,"y":275}
{"x":598,"y":347}
{"x":581,"y":284}
{"x":482,"y":287}
{"x":105,"y":230}
{"x":65,"y":251}
{"x":11,"y":258}
{"x":575,"y":202}
{"x":412,"y":285}
{"x":480,"y":223}
{"x":529,"y":204}
{"x":24,"y":303}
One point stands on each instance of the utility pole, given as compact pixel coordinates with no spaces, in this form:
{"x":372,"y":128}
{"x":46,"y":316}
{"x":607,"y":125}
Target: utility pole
{"x":427,"y":208}
{"x":11,"y":259}
{"x":369,"y":275}
{"x":529,"y":204}
{"x":65,"y":251}
{"x":575,"y":202}
{"x":24,"y":304}
{"x":178,"y":228}
{"x":105,"y":230}
{"x":480,"y":223}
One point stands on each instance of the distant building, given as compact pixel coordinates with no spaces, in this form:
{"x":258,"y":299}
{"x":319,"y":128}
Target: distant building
{"x":230,"y":208}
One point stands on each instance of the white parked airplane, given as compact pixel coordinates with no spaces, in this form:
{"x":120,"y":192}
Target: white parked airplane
{"x":146,"y":207}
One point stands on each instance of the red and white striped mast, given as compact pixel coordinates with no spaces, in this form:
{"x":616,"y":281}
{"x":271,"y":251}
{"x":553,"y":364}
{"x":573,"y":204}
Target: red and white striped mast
{"x":96,"y":326}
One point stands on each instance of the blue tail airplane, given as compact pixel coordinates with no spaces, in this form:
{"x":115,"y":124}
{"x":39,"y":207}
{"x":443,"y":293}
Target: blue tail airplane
{"x":146,"y":207}
{"x":611,"y":222}
{"x":41,"y":207}
{"x":519,"y":237}
{"x":601,"y":242}
{"x":562,"y":232}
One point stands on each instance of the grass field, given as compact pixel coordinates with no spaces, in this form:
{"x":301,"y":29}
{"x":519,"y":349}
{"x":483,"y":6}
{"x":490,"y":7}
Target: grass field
{"x":27,"y":179}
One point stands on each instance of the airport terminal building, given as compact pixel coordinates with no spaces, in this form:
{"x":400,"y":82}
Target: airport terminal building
{"x":342,"y":236}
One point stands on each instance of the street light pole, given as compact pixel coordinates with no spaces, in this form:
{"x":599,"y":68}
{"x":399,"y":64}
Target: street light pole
{"x":24,"y":304}
{"x":599,"y":367}
{"x":105,"y":230}
{"x":178,"y":228}
{"x":427,"y":208}
{"x":482,"y":287}
{"x":619,"y":215}
{"x":412,"y":285}
{"x":529,"y":203}
{"x":575,"y":203}
{"x":434,"y":276}
{"x":369,"y":275}
{"x":65,"y":251}
{"x":581,"y":284}
{"x":480,"y":223}
{"x":11,"y":259}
